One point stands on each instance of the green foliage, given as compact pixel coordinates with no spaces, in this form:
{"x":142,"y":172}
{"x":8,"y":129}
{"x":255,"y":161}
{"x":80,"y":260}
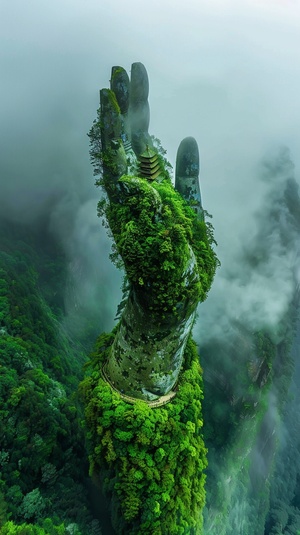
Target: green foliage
{"x":42,"y":455}
{"x":151,"y":459}
{"x":154,"y":231}
{"x":165,"y":166}
{"x":33,"y":505}
{"x":96,"y":145}
{"x":47,"y":528}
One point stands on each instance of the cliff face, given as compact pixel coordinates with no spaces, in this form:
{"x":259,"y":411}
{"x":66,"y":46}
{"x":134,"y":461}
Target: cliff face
{"x":248,"y":372}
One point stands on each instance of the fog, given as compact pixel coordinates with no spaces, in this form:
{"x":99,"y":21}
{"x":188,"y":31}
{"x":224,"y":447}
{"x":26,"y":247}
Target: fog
{"x":226,"y":72}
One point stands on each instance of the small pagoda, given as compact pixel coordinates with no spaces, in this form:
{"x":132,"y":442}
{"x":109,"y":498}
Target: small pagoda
{"x":149,"y":164}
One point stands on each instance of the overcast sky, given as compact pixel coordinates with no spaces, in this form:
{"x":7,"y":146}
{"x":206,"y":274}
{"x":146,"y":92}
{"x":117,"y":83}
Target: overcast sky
{"x":226,"y":72}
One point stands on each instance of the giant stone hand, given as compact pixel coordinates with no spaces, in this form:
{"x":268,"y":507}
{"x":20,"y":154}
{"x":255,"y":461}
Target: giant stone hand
{"x":160,"y":237}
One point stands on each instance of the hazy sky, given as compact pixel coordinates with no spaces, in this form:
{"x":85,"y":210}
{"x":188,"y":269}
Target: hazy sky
{"x":225,"y":72}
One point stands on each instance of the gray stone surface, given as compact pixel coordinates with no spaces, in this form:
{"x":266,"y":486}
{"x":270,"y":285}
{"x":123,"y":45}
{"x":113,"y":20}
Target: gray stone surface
{"x":187,"y":173}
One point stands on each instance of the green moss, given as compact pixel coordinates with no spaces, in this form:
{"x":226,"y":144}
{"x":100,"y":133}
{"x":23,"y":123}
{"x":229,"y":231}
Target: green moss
{"x":116,"y":73}
{"x":151,"y":459}
{"x":154,"y":231}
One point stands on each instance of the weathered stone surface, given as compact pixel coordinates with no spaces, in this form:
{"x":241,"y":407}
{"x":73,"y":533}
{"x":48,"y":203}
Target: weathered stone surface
{"x":139,"y":90}
{"x":120,"y":85}
{"x":113,"y":153}
{"x":139,"y":111}
{"x":146,"y":357}
{"x":187,"y":173}
{"x":111,"y":126}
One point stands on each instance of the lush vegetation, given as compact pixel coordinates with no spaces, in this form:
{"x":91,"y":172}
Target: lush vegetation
{"x":153,"y":227}
{"x":42,"y":455}
{"x":154,"y":230}
{"x":46,"y":528}
{"x":150,"y":460}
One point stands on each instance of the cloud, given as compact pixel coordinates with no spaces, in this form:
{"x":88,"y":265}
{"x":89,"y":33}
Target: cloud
{"x":260,"y":271}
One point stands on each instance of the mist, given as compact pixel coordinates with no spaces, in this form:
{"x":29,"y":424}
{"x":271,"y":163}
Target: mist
{"x":225,"y":72}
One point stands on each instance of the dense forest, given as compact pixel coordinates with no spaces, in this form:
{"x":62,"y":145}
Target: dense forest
{"x":42,"y":454}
